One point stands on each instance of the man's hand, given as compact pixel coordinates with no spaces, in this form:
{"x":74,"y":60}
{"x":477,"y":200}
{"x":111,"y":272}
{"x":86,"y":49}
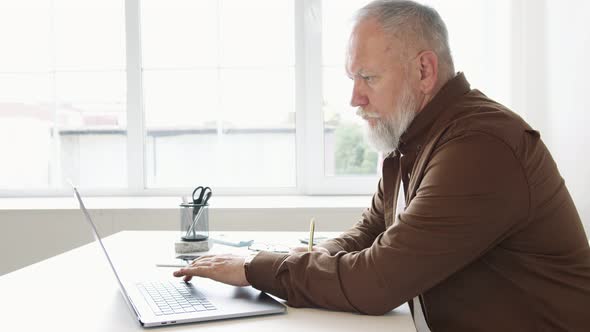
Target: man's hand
{"x":228,"y":269}
{"x":304,"y":249}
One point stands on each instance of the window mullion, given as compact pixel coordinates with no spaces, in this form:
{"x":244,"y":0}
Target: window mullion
{"x":310,"y":138}
{"x":135,"y":119}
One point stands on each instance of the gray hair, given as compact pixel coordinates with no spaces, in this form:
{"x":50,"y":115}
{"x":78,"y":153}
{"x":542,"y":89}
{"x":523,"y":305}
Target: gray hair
{"x":412,"y":22}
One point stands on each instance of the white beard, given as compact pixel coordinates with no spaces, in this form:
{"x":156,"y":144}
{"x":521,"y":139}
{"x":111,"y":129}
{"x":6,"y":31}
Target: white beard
{"x":384,"y":136}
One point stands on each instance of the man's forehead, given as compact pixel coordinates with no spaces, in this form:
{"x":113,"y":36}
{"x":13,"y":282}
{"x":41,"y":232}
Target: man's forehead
{"x":368,"y":44}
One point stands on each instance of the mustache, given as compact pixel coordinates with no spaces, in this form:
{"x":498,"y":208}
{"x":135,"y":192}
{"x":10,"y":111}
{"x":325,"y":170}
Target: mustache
{"x":365,"y":114}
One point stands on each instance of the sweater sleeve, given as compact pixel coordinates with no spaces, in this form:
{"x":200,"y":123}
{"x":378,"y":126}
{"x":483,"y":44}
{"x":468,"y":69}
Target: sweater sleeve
{"x":472,"y":193}
{"x":365,"y":231}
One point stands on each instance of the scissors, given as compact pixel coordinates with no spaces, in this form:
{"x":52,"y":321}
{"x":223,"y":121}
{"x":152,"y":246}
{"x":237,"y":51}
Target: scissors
{"x":203,"y":195}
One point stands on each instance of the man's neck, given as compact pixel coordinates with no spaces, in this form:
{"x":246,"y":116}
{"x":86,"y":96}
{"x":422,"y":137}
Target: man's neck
{"x":435,"y":91}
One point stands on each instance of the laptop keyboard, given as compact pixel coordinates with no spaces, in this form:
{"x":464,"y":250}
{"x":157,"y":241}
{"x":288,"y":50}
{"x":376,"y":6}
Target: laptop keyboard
{"x":168,"y":298}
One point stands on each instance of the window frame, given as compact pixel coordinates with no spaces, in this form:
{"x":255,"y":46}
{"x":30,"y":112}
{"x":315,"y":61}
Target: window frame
{"x":309,"y":127}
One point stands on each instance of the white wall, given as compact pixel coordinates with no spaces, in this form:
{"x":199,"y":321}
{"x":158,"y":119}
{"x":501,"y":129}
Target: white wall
{"x":568,"y":89}
{"x":29,"y":236}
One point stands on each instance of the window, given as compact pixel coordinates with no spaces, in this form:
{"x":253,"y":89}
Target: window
{"x":62,"y":94}
{"x":346,"y":152}
{"x":155,"y":97}
{"x":219,"y":93}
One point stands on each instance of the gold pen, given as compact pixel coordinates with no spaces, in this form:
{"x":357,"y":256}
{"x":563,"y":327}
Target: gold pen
{"x":311,"y":231}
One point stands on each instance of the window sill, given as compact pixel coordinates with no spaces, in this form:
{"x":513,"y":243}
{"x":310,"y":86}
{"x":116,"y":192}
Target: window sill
{"x":220,"y":202}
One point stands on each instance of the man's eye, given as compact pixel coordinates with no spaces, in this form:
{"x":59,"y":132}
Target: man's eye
{"x":368,"y":78}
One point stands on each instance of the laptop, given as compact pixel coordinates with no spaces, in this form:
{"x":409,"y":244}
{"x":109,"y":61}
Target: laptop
{"x":171,"y":301}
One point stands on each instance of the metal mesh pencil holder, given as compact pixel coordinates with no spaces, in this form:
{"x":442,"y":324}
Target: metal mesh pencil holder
{"x":194,"y":222}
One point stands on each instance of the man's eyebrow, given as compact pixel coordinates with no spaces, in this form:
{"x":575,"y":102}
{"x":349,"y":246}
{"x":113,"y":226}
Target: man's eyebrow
{"x":360,"y":72}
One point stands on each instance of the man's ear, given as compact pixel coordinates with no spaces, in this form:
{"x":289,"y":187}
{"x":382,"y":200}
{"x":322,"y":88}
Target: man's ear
{"x":428,"y":63}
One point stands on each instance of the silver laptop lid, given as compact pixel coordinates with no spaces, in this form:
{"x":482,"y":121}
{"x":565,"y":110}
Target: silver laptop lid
{"x":97,"y":238}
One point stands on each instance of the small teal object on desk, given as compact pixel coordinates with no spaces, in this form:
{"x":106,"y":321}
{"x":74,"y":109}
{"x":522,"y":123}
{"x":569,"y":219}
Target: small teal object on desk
{"x":230,"y":240}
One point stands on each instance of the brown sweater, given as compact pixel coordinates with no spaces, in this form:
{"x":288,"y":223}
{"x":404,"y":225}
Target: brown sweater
{"x":490,"y":236}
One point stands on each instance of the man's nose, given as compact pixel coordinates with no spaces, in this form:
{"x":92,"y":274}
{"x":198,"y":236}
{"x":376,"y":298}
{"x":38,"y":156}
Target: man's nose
{"x":358,"y":98}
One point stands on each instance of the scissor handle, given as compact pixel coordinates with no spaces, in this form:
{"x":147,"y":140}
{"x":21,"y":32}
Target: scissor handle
{"x":206,"y":197}
{"x":200,"y":189}
{"x":202,"y":192}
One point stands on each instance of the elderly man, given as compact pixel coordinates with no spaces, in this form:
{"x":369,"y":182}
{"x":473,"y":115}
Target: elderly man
{"x":489,"y":238}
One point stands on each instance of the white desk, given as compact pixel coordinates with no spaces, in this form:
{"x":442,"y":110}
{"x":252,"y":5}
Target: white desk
{"x":76,"y":291}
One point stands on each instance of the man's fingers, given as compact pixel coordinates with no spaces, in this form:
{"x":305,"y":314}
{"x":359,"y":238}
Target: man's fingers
{"x":198,"y":268}
{"x":196,"y":271}
{"x":228,"y":269}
